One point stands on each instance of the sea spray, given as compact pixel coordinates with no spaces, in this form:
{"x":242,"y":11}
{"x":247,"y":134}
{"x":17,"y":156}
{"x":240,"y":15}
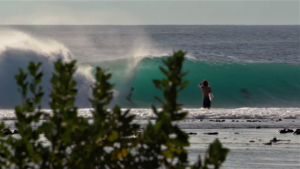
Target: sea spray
{"x":17,"y":49}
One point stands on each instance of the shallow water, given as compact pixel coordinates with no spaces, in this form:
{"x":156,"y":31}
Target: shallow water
{"x":237,"y":136}
{"x":247,"y":155}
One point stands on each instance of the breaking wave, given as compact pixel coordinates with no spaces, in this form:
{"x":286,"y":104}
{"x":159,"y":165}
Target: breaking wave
{"x":17,"y":49}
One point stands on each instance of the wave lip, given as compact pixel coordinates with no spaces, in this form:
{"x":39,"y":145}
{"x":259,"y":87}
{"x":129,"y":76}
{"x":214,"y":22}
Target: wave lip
{"x":17,"y":49}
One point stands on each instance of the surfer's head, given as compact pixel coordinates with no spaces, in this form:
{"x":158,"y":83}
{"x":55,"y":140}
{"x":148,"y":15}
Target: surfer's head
{"x":132,"y":89}
{"x":205,"y":83}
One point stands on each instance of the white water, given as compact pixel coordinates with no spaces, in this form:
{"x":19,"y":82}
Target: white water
{"x":17,"y":49}
{"x":239,"y":113}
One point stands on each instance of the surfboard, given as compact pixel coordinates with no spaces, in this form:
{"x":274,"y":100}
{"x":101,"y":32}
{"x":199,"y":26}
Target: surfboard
{"x":211,"y":96}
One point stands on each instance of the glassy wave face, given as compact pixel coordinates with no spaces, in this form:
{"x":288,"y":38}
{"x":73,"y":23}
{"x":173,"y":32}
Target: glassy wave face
{"x":233,"y":84}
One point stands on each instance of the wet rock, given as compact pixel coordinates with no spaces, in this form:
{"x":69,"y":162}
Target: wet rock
{"x":270,"y":143}
{"x":191,"y":133}
{"x":258,"y":127}
{"x":232,"y":121}
{"x":15,"y":131}
{"x":211,"y":133}
{"x":274,"y":140}
{"x":297,"y":132}
{"x":285,"y":131}
{"x":237,"y":133}
{"x":217,"y":120}
{"x":253,"y":121}
{"x":7,"y":131}
{"x":251,"y":141}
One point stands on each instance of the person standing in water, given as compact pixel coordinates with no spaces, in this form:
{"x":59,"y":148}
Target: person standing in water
{"x":130,"y":94}
{"x":204,"y":85}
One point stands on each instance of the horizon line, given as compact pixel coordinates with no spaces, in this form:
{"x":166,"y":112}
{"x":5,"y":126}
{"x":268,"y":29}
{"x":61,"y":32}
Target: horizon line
{"x":150,"y":25}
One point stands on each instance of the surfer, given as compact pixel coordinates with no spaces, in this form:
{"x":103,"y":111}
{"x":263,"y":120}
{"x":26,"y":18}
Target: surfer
{"x":205,"y":93}
{"x":130,"y":94}
{"x":245,"y":91}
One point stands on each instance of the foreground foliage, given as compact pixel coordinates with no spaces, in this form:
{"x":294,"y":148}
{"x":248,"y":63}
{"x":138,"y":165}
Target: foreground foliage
{"x":73,"y":142}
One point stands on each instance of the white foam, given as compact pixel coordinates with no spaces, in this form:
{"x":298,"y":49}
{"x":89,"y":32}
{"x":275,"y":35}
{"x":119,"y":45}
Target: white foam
{"x":17,"y":49}
{"x":239,"y":113}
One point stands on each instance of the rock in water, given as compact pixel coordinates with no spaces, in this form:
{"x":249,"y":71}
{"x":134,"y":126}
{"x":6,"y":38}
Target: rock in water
{"x":285,"y":131}
{"x":191,"y":133}
{"x":297,"y":132}
{"x":211,"y":133}
{"x":7,"y":131}
{"x":270,"y":143}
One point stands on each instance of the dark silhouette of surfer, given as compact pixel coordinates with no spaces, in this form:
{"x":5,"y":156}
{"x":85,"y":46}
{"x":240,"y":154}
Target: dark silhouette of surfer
{"x":245,"y":91}
{"x":130,"y":94}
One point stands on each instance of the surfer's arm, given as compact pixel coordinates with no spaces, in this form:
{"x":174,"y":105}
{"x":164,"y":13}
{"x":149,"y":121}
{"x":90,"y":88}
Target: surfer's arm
{"x":199,"y":85}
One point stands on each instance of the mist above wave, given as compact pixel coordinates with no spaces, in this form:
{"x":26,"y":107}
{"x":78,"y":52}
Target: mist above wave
{"x":17,"y":49}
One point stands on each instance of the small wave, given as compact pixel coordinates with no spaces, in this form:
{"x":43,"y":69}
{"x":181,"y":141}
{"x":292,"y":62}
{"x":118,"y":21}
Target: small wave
{"x":239,"y":113}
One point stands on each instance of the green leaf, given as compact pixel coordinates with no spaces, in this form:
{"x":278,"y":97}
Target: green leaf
{"x":113,"y":136}
{"x":164,"y":71}
{"x":157,"y":84}
{"x":183,"y":74}
{"x":158,"y":99}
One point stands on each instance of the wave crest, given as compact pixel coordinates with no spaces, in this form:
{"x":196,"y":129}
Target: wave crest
{"x":17,"y":49}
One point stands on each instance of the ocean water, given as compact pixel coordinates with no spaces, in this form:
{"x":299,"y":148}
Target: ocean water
{"x":254,"y":72}
{"x":247,"y":66}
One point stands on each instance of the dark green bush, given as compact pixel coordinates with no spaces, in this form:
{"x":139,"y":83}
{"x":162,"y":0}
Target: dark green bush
{"x":73,"y":142}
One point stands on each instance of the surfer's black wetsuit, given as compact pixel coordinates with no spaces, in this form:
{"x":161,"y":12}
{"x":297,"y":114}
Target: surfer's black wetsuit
{"x":129,"y":95}
{"x":206,"y":102}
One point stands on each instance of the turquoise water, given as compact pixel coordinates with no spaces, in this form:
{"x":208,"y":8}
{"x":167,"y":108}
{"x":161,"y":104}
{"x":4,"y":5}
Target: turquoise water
{"x":234,"y":84}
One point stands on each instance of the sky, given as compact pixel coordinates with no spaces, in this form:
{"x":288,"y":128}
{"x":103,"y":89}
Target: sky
{"x":150,"y":12}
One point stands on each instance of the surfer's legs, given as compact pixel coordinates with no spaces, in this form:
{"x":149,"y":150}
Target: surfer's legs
{"x":206,"y":103}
